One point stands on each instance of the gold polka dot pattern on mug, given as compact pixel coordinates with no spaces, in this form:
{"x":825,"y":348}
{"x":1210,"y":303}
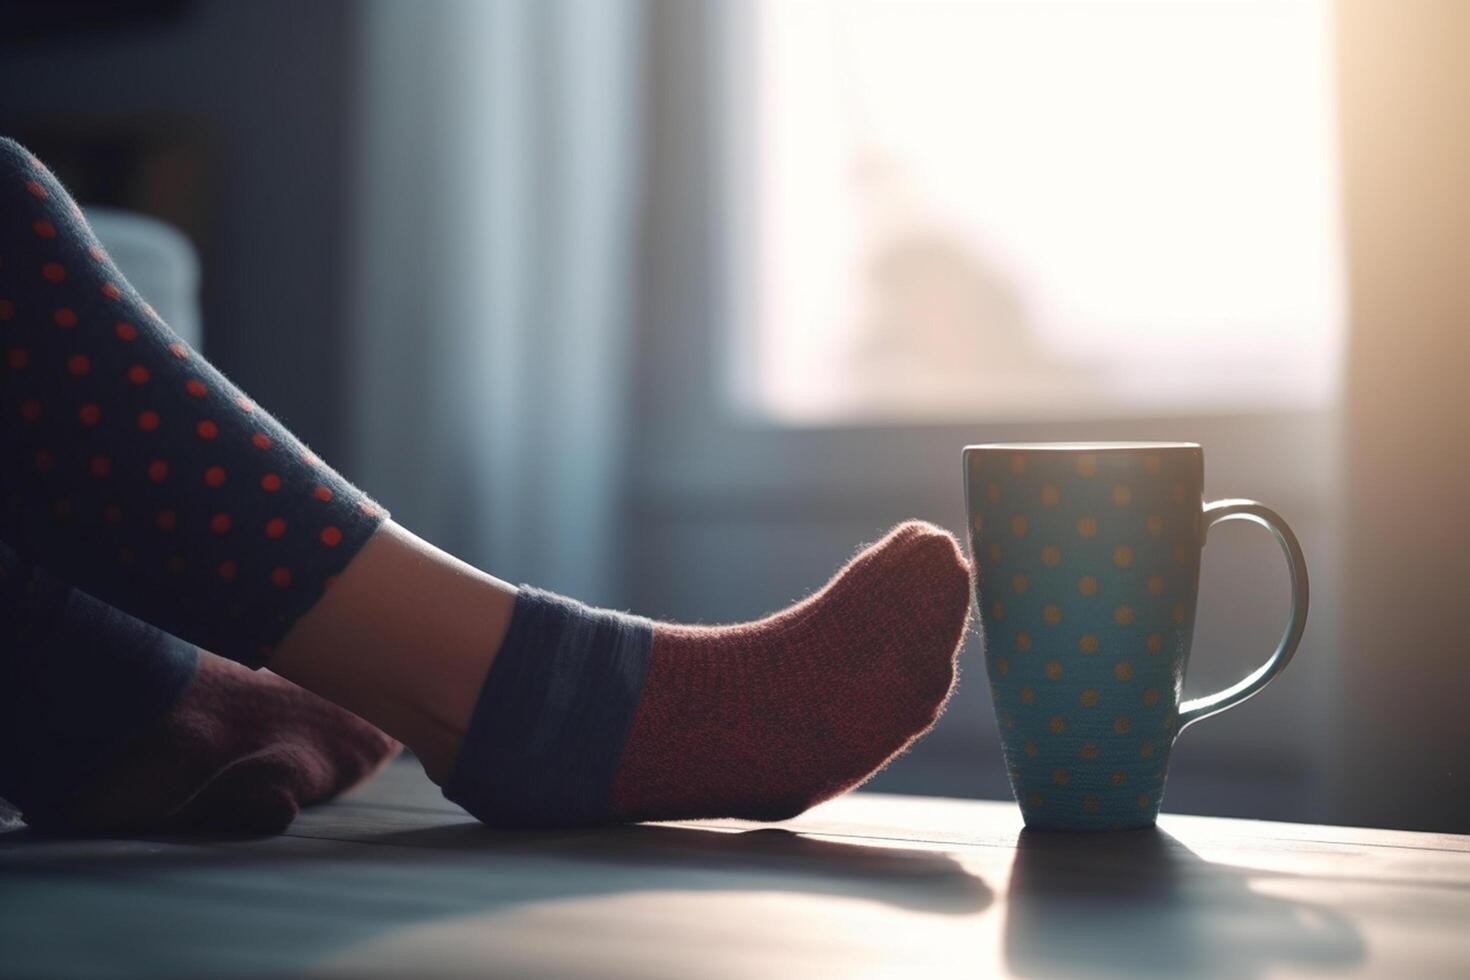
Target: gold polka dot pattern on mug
{"x":1088,"y":568}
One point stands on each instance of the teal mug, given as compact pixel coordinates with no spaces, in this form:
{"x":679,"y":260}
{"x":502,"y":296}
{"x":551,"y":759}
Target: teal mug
{"x":1087,"y":559}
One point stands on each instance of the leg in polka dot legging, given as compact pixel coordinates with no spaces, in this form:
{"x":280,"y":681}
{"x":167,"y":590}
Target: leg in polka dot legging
{"x":133,"y":469}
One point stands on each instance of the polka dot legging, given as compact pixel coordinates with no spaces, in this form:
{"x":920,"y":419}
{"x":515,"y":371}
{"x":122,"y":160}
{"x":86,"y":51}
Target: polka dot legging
{"x":133,"y":469}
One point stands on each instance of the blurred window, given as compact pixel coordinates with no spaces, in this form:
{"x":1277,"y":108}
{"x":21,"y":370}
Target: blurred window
{"x":1039,"y":210}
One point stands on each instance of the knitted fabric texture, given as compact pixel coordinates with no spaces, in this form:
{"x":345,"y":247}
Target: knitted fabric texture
{"x":769,"y":718}
{"x":594,"y":717}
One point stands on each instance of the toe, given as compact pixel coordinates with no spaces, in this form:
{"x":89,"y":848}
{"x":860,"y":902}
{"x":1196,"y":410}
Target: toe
{"x":253,"y":795}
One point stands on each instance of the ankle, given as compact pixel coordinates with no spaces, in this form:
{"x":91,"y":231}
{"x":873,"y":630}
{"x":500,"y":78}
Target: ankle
{"x":404,"y":639}
{"x":436,"y":747}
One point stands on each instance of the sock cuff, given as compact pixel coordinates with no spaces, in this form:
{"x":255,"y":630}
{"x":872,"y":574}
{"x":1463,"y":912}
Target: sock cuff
{"x":554,"y":715}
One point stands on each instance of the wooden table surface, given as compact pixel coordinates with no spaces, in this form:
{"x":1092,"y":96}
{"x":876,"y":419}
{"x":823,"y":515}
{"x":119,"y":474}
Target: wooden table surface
{"x":395,"y":882}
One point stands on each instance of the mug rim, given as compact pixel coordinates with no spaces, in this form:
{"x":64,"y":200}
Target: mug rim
{"x":1081,"y":447}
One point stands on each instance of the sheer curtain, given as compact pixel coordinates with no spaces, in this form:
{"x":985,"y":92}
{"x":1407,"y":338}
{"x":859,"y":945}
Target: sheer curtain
{"x":494,"y":268}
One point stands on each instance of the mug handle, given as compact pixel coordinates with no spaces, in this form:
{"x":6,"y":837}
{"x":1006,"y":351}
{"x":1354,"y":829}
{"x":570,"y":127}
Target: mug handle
{"x":1248,"y":510}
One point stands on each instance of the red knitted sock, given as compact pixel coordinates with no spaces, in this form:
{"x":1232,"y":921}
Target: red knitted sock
{"x":241,"y":751}
{"x":766,"y":719}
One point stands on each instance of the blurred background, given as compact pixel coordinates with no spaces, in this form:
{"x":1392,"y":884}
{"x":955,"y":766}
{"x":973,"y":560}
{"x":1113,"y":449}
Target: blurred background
{"x":669,"y":305}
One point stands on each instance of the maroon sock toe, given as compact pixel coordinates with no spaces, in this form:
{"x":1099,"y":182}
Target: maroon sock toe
{"x":240,"y":752}
{"x":768,"y":718}
{"x":252,"y":795}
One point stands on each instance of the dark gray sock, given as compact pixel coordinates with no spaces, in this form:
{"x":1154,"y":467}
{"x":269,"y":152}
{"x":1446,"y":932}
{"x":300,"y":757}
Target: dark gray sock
{"x":550,"y":725}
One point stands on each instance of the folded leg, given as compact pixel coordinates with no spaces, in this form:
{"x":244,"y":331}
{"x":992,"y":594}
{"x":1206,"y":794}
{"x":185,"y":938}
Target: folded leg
{"x":129,"y":466}
{"x":108,"y":724}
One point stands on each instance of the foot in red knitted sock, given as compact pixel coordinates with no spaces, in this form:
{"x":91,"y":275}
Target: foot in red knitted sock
{"x":766,"y":719}
{"x":589,"y":716}
{"x":241,"y":751}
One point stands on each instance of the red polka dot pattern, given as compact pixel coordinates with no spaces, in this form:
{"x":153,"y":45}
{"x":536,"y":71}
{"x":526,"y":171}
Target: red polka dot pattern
{"x":134,"y":464}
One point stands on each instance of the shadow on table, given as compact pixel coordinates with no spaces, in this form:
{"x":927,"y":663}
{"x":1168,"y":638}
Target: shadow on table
{"x":1140,"y":903}
{"x":187,"y":907}
{"x":770,"y":858}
